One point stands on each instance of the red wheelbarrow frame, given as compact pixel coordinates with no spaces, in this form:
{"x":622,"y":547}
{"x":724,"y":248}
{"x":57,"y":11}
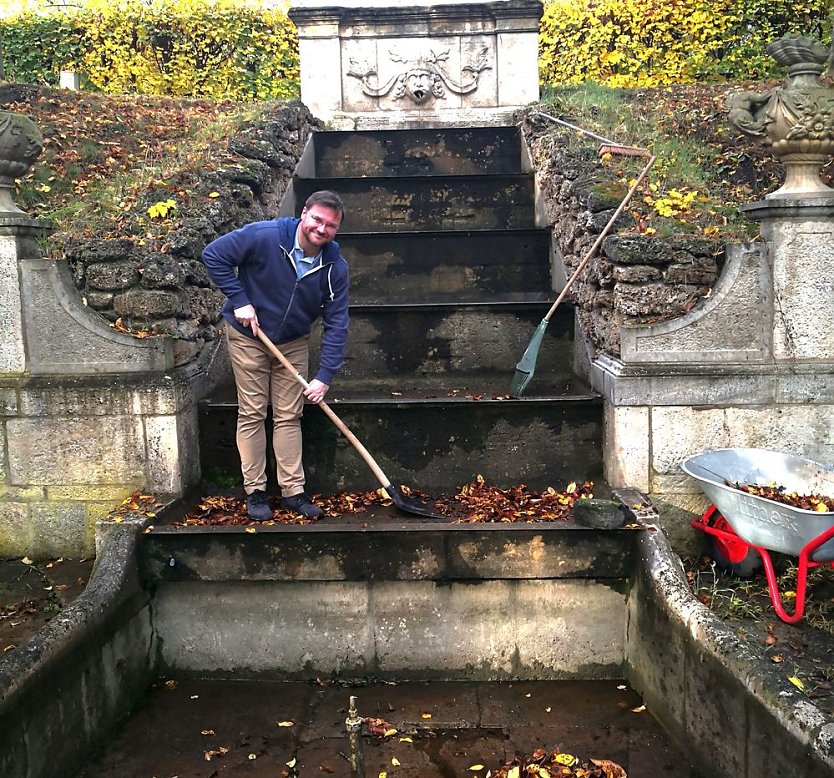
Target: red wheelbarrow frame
{"x":736,"y":549}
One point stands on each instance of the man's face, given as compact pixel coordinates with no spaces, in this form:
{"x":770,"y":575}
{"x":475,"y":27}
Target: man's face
{"x":319,"y":225}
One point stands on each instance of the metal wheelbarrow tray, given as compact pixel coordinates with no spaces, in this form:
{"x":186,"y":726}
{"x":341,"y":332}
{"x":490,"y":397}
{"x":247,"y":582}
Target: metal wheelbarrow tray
{"x":764,"y":525}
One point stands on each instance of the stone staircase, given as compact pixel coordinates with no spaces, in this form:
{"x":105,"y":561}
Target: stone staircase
{"x":449,"y":277}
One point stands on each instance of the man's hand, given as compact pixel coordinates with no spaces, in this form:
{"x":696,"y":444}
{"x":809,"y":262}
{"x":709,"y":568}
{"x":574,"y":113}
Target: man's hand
{"x":248,"y":318}
{"x":316,"y":390}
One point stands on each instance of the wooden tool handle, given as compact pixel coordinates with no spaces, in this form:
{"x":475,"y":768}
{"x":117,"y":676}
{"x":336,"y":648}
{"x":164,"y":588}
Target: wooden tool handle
{"x":340,"y":425}
{"x":601,"y":237}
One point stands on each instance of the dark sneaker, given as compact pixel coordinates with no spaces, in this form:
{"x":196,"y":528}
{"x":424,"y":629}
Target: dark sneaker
{"x":257,"y":506}
{"x":301,"y":503}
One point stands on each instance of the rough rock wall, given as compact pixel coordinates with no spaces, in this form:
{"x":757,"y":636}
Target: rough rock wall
{"x":633,"y":278}
{"x":167,"y":291}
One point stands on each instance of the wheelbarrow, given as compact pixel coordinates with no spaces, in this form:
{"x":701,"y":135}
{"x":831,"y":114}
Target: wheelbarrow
{"x":742,"y":523}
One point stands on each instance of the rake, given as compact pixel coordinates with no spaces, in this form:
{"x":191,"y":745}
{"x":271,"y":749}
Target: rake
{"x":400,"y":500}
{"x":526,"y":367}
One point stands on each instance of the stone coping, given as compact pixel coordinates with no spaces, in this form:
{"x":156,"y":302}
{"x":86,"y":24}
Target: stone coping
{"x":724,"y":697}
{"x":113,"y":584}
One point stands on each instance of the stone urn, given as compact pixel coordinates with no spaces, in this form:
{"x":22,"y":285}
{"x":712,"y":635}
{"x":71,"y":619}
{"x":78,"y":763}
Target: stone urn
{"x":796,"y":120}
{"x":21,"y":143}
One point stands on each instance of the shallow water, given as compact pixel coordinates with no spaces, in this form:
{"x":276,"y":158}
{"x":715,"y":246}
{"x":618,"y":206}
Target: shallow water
{"x":210,"y":728}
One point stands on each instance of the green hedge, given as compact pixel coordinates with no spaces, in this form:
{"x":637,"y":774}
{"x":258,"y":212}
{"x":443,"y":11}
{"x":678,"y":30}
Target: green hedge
{"x":165,"y":47}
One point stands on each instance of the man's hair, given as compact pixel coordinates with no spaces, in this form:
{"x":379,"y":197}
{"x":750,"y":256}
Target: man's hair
{"x":326,"y":199}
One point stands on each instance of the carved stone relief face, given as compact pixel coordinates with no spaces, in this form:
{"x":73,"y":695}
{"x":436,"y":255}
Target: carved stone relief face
{"x":422,"y":77}
{"x":419,"y":84}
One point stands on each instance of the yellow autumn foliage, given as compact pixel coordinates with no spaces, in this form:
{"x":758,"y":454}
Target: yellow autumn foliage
{"x":194,"y":48}
{"x":640,"y":43}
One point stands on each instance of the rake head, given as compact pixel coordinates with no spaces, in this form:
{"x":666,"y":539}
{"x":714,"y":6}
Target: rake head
{"x":527,"y":365}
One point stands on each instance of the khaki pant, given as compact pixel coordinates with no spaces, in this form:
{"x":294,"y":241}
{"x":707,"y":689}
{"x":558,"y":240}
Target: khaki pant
{"x":260,"y":379}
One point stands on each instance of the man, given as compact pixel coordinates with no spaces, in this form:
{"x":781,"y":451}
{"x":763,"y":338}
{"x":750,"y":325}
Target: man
{"x":279,"y":276}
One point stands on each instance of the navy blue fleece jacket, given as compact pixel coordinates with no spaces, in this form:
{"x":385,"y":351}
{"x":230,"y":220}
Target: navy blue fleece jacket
{"x":254,"y":265}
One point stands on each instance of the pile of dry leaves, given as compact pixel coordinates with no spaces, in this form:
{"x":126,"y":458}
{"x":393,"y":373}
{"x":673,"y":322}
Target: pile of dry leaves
{"x":476,"y":501}
{"x":820,"y":503}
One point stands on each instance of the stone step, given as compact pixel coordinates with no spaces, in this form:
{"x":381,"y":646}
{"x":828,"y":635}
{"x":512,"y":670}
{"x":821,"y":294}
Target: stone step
{"x":449,"y":151}
{"x":451,"y":341}
{"x":399,"y":549}
{"x":463,"y":266}
{"x":416,"y":203}
{"x":433,"y":444}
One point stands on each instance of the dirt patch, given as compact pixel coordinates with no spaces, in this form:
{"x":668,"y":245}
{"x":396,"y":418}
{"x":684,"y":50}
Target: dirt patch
{"x":31,"y":594}
{"x":804,"y":651}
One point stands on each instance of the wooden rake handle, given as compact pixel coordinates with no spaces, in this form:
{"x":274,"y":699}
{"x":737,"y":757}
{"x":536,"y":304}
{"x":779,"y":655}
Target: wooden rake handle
{"x":331,"y":414}
{"x":601,"y":237}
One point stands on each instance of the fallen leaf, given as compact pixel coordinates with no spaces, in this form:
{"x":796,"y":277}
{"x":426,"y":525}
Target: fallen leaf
{"x":206,"y":731}
{"x":797,"y":683}
{"x":251,"y":530}
{"x":406,"y":740}
{"x":285,"y":723}
{"x":425,"y":715}
{"x":476,"y":767}
{"x":221,"y":751}
{"x":612,"y":769}
{"x":638,"y":709}
{"x":395,"y":761}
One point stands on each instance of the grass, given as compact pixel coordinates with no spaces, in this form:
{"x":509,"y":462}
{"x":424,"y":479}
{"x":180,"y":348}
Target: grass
{"x":726,"y":597}
{"x":736,"y":598}
{"x":705,"y":169}
{"x":107,"y":158}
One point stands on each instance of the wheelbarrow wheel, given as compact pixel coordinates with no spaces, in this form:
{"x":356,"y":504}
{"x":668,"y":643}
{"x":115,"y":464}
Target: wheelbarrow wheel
{"x":734,"y":557}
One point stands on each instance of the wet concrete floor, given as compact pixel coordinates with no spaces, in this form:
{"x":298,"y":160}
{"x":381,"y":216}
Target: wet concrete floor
{"x":191,"y":728}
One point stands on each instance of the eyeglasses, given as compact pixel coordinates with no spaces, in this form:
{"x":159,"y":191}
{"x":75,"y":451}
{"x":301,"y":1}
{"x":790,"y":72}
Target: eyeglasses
{"x":329,"y":226}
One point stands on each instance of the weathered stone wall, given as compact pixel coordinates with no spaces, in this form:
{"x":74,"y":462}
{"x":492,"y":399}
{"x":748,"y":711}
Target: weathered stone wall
{"x":89,"y":415}
{"x":634,"y":278}
{"x":168,"y":291}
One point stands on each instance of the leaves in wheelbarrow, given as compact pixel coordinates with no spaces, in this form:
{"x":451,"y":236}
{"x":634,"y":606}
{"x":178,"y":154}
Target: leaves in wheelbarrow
{"x":819,"y":503}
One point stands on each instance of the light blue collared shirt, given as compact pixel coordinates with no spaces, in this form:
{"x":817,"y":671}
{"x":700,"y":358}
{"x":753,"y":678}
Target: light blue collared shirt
{"x":303,"y":264}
